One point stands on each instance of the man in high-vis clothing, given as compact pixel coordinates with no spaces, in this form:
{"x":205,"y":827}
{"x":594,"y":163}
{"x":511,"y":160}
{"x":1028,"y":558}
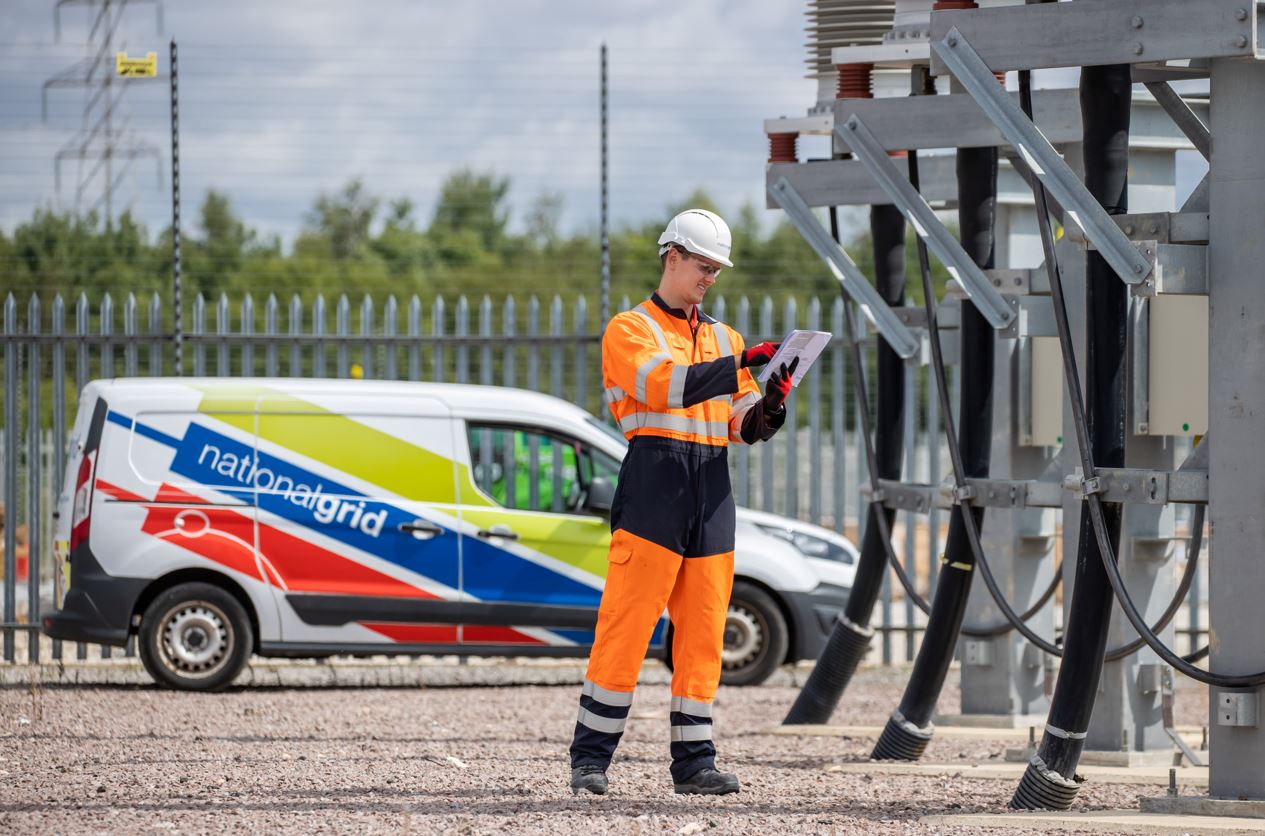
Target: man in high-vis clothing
{"x":679,"y":385}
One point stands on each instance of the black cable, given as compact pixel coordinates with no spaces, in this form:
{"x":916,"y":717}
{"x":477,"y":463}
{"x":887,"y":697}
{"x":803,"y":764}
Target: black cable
{"x":1183,"y":586}
{"x":1096,"y":512}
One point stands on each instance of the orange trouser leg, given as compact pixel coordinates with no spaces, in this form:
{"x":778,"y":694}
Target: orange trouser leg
{"x":639,"y":581}
{"x":698,"y":605}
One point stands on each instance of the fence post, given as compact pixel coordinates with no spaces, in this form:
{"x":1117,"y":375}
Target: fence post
{"x":34,"y":518}
{"x":318,"y":332}
{"x":59,"y":428}
{"x":766,"y":454}
{"x":82,"y":373}
{"x":223,"y":325}
{"x":296,"y":330}
{"x":342,"y":330}
{"x":390,"y":318}
{"x":366,"y":331}
{"x":533,"y":344}
{"x":106,"y":327}
{"x":791,"y":430}
{"x":583,"y":396}
{"x":270,"y":333}
{"x":10,"y":472}
{"x":415,"y":335}
{"x":462,"y":331}
{"x":744,"y":450}
{"x":247,"y":332}
{"x":814,"y":424}
{"x":485,"y":346}
{"x":509,"y":363}
{"x":155,"y":333}
{"x":437,"y":318}
{"x":556,"y":330}
{"x":130,"y":334}
{"x":839,"y":418}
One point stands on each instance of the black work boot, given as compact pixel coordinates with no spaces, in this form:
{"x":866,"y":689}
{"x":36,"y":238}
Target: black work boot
{"x":708,"y":781}
{"x":588,"y":777}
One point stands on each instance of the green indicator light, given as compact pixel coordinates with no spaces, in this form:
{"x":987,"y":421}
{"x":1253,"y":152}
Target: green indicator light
{"x":1185,"y":428}
{"x":1060,"y":439}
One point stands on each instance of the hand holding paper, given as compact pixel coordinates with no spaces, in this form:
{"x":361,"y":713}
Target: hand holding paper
{"x":804,"y":346}
{"x":779,"y":386}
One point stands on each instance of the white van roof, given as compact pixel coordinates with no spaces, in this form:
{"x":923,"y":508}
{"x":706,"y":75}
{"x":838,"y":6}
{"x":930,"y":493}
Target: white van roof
{"x":461,"y":398}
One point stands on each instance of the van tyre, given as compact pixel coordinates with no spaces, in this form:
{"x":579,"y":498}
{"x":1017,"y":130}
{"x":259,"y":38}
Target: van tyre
{"x":756,"y":637}
{"x":195,"y":637}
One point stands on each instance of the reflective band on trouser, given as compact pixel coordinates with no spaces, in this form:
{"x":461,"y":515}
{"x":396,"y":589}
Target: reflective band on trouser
{"x":694,"y":708}
{"x":691,"y":733}
{"x":599,"y":725}
{"x":597,"y":722}
{"x":676,"y":423}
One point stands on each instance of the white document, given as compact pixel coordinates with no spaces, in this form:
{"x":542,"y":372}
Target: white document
{"x":806,"y":345}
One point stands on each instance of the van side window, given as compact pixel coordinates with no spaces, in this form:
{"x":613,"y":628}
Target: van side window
{"x":526,"y":470}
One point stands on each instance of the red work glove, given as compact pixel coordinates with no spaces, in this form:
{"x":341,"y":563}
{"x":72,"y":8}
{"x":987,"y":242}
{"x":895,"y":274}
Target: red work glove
{"x":778,"y":386}
{"x":758,"y":355}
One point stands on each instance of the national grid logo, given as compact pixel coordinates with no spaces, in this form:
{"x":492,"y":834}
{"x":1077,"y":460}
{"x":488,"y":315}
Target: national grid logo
{"x":285,"y":489}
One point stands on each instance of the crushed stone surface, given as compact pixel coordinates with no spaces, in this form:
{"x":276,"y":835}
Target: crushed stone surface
{"x":465,"y":759}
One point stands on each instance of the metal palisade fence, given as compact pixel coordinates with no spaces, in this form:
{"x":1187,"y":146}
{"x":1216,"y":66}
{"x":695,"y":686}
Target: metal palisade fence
{"x":51,"y":350}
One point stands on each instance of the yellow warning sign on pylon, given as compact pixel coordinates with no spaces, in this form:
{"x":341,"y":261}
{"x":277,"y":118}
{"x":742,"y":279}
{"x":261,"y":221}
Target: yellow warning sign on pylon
{"x":146,"y":67}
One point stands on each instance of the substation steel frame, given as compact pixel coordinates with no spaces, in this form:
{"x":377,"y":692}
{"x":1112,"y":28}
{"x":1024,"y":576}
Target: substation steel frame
{"x":1225,"y":31}
{"x":1236,"y":416}
{"x":1168,"y":34}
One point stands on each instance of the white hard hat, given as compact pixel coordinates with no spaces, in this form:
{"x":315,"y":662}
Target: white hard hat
{"x":700,"y":232}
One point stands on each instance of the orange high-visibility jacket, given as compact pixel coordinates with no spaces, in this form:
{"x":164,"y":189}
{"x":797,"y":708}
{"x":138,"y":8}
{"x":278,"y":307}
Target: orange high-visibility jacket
{"x":664,"y":378}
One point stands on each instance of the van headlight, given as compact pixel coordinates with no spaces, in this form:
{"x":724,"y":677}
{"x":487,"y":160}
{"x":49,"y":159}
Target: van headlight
{"x":808,"y":545}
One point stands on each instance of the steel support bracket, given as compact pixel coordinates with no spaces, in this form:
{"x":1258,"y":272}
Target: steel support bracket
{"x":1143,"y":487}
{"x":1157,"y":227}
{"x":1178,"y":270}
{"x":901,"y":495}
{"x":1099,"y":32}
{"x":923,"y":219}
{"x":845,"y":271}
{"x":1035,"y":319}
{"x":1079,"y":206}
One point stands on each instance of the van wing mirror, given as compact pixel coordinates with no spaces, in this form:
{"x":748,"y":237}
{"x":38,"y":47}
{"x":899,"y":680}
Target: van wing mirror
{"x":601,"y":495}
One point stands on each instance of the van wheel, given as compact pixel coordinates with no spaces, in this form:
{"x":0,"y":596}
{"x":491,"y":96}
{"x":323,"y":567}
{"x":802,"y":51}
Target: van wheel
{"x":195,"y":637}
{"x":756,"y":637}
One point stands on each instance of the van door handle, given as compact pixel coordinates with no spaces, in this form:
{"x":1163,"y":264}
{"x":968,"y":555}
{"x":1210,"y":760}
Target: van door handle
{"x":421,"y":530}
{"x":504,"y":532}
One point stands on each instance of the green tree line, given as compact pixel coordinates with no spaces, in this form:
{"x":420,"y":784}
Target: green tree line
{"x":352,"y":241}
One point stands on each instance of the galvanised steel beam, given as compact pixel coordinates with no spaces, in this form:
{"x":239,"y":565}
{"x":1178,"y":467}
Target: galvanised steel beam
{"x":926,"y":225}
{"x":845,"y":271}
{"x":1078,"y":204}
{"x":1099,"y":32}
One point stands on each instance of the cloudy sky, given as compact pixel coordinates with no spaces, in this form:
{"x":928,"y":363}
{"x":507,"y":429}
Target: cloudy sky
{"x":281,"y":100}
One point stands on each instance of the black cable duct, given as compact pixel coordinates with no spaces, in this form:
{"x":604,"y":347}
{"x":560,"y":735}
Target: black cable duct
{"x":850,"y":639}
{"x":909,"y":729}
{"x":1050,"y":781}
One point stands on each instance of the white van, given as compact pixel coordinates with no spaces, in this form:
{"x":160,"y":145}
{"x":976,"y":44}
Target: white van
{"x":215,"y":518}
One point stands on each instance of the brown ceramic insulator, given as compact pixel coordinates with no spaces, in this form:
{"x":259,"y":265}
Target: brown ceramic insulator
{"x":782,"y":148}
{"x":855,"y":81}
{"x":1000,"y":75}
{"x":953,"y":5}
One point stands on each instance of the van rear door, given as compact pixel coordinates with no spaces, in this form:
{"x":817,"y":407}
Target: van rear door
{"x":358,"y":518}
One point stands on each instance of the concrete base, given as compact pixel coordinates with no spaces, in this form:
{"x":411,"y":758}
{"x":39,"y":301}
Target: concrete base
{"x":991,"y":721}
{"x":954,"y":732}
{"x":1202,"y":805}
{"x":1164,"y":757}
{"x":1098,"y":821}
{"x":1189,"y":776}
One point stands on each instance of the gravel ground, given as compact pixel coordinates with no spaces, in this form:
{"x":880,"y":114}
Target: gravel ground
{"x":469,"y":759}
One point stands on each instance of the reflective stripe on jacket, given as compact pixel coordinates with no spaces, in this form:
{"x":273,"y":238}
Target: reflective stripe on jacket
{"x":664,"y":378}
